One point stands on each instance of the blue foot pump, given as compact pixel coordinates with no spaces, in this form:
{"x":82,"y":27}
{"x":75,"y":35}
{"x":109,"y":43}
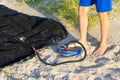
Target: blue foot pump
{"x":66,"y":51}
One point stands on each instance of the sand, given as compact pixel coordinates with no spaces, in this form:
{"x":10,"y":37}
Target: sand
{"x":106,"y":67}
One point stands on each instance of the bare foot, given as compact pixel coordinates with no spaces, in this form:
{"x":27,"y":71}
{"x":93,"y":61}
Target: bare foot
{"x":100,"y":51}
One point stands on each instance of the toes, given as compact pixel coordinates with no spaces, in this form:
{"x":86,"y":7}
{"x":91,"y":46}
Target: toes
{"x":99,"y":52}
{"x":96,"y":54}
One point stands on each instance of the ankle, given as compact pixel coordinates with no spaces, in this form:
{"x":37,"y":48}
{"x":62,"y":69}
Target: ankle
{"x":83,"y":42}
{"x":103,"y":44}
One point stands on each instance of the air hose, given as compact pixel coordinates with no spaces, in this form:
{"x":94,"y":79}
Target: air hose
{"x":66,"y":51}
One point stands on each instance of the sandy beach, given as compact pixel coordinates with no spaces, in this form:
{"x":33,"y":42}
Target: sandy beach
{"x":106,"y":67}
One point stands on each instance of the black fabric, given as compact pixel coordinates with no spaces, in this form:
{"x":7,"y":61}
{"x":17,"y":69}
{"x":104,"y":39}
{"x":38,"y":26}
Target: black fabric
{"x":11,"y":50}
{"x":18,"y":32}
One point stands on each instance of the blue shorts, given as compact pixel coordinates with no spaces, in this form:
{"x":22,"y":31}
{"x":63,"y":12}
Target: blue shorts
{"x":101,"y":5}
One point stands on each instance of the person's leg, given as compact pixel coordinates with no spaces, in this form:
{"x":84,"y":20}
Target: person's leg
{"x":103,"y":6}
{"x":104,"y":23}
{"x":83,"y":20}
